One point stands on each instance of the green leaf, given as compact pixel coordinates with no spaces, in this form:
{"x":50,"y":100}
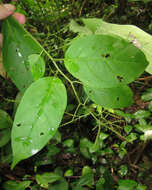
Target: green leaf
{"x":38,"y":116}
{"x":128,"y":129}
{"x":141,"y":114}
{"x":13,"y":185}
{"x":101,"y":64}
{"x":59,"y":185}
{"x":5,"y":120}
{"x":146,"y":129}
{"x":131,"y":33}
{"x":86,"y":170}
{"x":150,"y":106}
{"x":84,"y":180}
{"x":46,"y":178}
{"x":84,"y":147}
{"x":99,"y":184}
{"x":68,"y":173}
{"x":147,"y":96}
{"x":117,"y":97}
{"x":68,"y":143}
{"x":141,"y":187}
{"x":5,"y":128}
{"x":37,"y":66}
{"x":104,"y":61}
{"x":5,"y":136}
{"x":123,"y":170}
{"x":75,"y":27}
{"x":131,"y":137}
{"x":126,"y":184}
{"x":18,"y":45}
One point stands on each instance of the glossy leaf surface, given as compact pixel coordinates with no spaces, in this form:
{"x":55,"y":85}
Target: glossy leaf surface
{"x":38,"y":116}
{"x":18,"y":44}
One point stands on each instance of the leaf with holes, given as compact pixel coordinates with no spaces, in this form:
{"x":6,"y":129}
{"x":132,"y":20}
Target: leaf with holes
{"x":131,"y":33}
{"x":116,"y":97}
{"x":104,"y":61}
{"x":38,"y":116}
{"x":18,"y":44}
{"x":105,"y":64}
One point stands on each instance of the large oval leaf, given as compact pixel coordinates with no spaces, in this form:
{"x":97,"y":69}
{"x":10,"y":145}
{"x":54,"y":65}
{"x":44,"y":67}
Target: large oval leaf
{"x":116,"y":97}
{"x":38,"y":116}
{"x":104,"y":61}
{"x":18,"y":44}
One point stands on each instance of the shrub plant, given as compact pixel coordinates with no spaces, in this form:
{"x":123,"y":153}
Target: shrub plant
{"x":101,"y":64}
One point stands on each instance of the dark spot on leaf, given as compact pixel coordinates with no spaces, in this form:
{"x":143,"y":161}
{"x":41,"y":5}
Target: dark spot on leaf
{"x":117,"y":98}
{"x":106,"y":55}
{"x":18,"y":124}
{"x":80,"y":23}
{"x":90,"y":91}
{"x":120,"y":78}
{"x":41,"y":133}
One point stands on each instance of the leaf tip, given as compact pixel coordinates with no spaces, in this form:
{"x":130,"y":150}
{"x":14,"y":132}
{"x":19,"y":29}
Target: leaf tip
{"x":14,"y":163}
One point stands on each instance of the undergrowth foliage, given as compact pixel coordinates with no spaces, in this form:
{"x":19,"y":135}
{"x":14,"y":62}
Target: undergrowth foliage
{"x":103,"y":64}
{"x":99,"y":65}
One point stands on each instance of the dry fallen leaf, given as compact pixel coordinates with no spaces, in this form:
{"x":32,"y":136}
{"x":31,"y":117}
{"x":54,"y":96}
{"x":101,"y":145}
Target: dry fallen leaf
{"x":2,"y":70}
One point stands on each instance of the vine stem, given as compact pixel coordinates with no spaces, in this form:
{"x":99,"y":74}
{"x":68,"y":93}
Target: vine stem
{"x":97,"y":137}
{"x":72,"y":121}
{"x":110,"y":128}
{"x":55,"y":64}
{"x":51,"y":58}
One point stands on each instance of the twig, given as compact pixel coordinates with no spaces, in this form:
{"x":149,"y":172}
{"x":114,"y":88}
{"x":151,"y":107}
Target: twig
{"x":143,"y":146}
{"x":82,"y":7}
{"x":145,"y":78}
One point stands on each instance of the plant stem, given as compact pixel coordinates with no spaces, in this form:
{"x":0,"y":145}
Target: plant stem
{"x":97,"y":137}
{"x":110,"y":128}
{"x":72,"y":121}
{"x":51,"y":58}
